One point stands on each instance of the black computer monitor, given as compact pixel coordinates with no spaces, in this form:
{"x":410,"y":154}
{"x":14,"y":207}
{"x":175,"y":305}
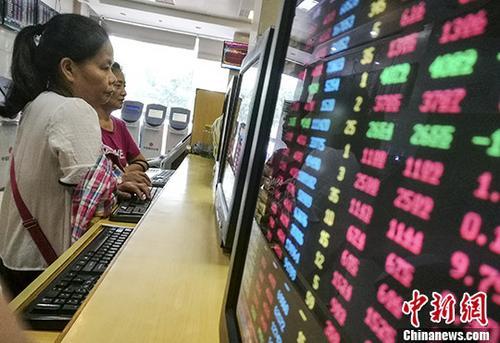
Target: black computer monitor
{"x":221,"y":128}
{"x":388,"y":184}
{"x":229,"y":329}
{"x":231,"y":101}
{"x":239,"y":142}
{"x":174,"y":158}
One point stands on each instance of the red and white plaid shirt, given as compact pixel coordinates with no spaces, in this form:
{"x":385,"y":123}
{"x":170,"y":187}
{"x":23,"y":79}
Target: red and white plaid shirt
{"x":94,"y":195}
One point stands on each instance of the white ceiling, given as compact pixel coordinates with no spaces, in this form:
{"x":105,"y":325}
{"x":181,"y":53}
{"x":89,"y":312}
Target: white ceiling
{"x":218,"y":19}
{"x":217,"y":8}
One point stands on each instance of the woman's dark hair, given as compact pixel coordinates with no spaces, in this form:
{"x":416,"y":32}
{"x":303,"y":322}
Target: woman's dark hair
{"x":116,"y":67}
{"x":38,"y":50}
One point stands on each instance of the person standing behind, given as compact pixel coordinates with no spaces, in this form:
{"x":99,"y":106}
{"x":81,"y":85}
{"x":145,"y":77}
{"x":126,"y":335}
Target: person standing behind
{"x":10,"y":328}
{"x":115,"y":133}
{"x":60,"y":71}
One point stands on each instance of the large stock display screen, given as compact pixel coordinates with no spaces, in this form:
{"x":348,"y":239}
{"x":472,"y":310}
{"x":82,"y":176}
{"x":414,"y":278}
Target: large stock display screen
{"x":390,"y":178}
{"x":19,"y":13}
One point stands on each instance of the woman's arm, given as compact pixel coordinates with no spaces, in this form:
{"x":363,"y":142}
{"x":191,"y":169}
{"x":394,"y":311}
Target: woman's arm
{"x":135,"y":171}
{"x":74,"y":138}
{"x":137,"y":163}
{"x":135,"y":159}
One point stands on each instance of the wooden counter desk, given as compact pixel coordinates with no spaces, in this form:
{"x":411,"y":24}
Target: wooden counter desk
{"x":33,"y":289}
{"x":167,"y":284}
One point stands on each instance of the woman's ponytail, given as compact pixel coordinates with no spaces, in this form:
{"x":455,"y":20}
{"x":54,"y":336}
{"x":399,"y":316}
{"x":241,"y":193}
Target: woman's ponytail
{"x":39,"y":49}
{"x":27,"y":81}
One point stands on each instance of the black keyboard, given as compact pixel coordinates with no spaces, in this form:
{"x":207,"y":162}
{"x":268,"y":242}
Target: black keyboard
{"x":132,"y":210}
{"x":57,"y":303}
{"x":160,"y":179}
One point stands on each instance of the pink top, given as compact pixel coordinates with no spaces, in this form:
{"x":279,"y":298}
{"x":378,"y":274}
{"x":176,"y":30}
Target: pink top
{"x":120,"y":141}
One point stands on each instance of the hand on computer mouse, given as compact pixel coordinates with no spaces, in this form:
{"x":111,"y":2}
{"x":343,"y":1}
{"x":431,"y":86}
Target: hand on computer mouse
{"x":126,"y":189}
{"x":136,"y":177}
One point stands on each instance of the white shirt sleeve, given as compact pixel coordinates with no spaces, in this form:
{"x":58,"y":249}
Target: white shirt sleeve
{"x":75,"y":138}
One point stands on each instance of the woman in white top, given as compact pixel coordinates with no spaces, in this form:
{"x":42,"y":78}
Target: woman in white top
{"x":60,"y":71}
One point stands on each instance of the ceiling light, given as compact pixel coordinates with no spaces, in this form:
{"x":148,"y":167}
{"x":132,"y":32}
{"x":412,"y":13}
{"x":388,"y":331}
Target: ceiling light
{"x":307,"y":5}
{"x":250,"y":15}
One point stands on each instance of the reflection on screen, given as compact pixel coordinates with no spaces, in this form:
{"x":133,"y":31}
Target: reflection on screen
{"x":288,"y":87}
{"x":182,"y":117}
{"x":237,"y":137}
{"x":157,"y":114}
{"x":389,"y":181}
